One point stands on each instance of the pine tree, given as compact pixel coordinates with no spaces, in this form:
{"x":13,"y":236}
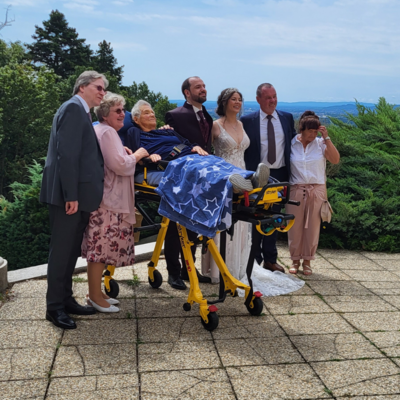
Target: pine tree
{"x":105,"y":62}
{"x":57,"y":46}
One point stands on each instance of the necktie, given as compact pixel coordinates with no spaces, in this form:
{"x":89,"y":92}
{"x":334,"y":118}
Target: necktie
{"x":204,"y":127}
{"x":271,"y":157}
{"x":90,"y":116}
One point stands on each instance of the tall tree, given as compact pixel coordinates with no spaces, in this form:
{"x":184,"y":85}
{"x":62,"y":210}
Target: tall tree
{"x":28,"y":102}
{"x":58,"y":46}
{"x":7,"y":21}
{"x":105,"y":62}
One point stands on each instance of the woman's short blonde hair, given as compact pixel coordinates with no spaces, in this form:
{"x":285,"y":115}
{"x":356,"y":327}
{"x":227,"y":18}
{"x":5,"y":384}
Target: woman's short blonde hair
{"x":109,"y":100}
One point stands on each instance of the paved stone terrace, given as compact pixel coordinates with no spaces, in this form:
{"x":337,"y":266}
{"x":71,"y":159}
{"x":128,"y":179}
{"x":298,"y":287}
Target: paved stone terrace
{"x":338,"y":337}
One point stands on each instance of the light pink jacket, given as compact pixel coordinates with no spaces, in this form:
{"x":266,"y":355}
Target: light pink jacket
{"x":119,"y":170}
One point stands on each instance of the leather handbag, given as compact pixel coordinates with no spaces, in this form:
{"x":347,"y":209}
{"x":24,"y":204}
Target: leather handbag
{"x":326,"y":211}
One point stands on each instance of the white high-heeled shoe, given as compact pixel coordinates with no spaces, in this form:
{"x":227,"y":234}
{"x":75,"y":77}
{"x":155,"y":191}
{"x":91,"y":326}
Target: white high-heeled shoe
{"x":110,"y":309}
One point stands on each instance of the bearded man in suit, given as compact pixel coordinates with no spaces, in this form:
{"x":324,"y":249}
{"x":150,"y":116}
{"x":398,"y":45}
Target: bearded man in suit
{"x":193,"y":122}
{"x":72,"y":186}
{"x":270,"y":132}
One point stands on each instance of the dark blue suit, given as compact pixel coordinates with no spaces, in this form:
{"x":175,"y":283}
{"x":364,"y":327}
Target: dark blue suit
{"x":252,"y":157}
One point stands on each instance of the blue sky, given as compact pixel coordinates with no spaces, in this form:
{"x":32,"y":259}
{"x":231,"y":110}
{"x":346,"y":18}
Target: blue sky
{"x":310,"y":50}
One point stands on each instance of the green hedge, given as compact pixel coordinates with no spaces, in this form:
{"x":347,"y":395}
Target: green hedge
{"x":364,"y":190}
{"x":24,"y":224}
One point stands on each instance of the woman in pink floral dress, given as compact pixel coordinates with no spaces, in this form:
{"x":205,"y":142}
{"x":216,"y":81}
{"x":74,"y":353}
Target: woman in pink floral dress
{"x":109,"y":239}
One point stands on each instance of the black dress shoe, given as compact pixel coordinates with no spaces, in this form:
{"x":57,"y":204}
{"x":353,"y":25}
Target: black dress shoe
{"x":61,"y":319}
{"x":176,"y":282}
{"x":201,"y":278}
{"x":75,"y":308}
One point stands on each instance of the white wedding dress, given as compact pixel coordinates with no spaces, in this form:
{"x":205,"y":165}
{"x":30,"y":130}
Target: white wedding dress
{"x":238,"y":249}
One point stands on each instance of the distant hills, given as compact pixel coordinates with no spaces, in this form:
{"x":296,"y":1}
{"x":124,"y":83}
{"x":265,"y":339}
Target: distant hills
{"x":322,"y":109}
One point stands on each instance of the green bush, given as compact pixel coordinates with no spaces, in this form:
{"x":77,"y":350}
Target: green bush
{"x":364,"y":190}
{"x":24,"y":223}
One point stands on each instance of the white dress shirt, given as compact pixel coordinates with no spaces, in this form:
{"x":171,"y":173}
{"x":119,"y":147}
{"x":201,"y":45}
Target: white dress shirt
{"x":85,"y":105}
{"x":307,"y":165}
{"x":279,"y":140}
{"x":196,"y":110}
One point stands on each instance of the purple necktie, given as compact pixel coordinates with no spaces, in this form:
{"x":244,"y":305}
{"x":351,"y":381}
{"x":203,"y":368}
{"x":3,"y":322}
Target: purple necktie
{"x":271,"y":157}
{"x":204,"y":127}
{"x":90,"y":116}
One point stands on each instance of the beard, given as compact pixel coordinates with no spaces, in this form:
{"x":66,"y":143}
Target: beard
{"x":200,"y":99}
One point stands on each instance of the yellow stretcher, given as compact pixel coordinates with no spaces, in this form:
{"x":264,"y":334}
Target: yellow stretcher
{"x":253,"y":207}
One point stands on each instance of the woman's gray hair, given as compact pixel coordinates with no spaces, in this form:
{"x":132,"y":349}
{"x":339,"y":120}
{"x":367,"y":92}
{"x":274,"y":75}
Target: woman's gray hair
{"x":136,"y":108}
{"x":86,"y":78}
{"x":109,"y":100}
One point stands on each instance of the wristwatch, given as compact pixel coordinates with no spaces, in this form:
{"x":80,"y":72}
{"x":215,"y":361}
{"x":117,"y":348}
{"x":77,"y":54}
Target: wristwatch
{"x":327,"y":138}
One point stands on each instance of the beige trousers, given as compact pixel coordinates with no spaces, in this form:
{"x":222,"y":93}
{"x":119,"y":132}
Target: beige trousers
{"x":304,"y":235}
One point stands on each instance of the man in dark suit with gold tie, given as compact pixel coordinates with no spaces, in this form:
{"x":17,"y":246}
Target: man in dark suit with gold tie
{"x":72,"y":186}
{"x":193,"y":122}
{"x":270,"y":132}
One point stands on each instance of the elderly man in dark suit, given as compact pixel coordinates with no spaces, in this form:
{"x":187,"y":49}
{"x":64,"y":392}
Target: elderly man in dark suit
{"x":270,"y":132}
{"x":193,"y":122}
{"x":72,"y":186}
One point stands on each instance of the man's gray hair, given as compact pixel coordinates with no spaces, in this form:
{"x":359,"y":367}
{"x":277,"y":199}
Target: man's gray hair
{"x":261,"y":87}
{"x":109,"y":100}
{"x":136,"y":108}
{"x":86,"y":78}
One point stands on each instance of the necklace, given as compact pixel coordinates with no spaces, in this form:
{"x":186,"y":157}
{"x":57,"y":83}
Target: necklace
{"x":233,"y":126}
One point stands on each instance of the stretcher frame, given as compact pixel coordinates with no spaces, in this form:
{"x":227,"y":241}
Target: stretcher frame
{"x":254,"y":207}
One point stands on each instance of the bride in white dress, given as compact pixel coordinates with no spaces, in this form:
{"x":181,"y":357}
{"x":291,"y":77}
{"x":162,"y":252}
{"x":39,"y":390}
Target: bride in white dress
{"x":230,"y":142}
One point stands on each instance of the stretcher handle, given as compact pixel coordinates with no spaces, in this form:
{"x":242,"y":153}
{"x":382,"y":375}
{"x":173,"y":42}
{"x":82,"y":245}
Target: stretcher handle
{"x":294,"y":203}
{"x":147,"y":161}
{"x":147,"y":228}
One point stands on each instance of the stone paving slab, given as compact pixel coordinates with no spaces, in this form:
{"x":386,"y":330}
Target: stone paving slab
{"x":194,"y":384}
{"x":297,"y":381}
{"x":374,"y":321}
{"x":257,"y":351}
{"x":123,"y":386}
{"x":342,"y":346}
{"x":23,"y":389}
{"x":177,"y":355}
{"x":296,"y":305}
{"x":338,"y":338}
{"x":359,"y":377}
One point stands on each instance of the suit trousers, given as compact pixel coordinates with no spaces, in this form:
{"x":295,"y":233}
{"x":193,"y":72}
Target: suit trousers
{"x":304,"y":235}
{"x":264,"y":247}
{"x":172,"y":249}
{"x":65,"y":248}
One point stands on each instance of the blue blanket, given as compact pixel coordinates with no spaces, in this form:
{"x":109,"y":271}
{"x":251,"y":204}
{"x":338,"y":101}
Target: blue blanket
{"x":196,"y":193}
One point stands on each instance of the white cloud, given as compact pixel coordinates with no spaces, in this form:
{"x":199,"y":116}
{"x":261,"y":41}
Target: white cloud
{"x":103,"y":29}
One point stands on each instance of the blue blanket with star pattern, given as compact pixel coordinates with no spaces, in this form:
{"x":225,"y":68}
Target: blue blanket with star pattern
{"x":196,"y":193}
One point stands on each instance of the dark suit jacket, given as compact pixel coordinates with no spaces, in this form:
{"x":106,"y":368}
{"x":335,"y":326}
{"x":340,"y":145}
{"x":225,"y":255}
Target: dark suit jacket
{"x":184,"y":121}
{"x":74,"y":169}
{"x":251,"y":124}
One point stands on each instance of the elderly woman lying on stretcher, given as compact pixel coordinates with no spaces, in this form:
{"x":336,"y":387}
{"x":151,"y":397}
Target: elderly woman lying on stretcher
{"x":166,"y":144}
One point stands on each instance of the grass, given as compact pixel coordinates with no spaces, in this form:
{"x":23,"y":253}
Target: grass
{"x":78,"y":279}
{"x":135,"y":281}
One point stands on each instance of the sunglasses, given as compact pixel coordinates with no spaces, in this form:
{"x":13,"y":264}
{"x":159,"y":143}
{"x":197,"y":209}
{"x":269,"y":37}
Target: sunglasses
{"x":99,"y":88}
{"x":119,"y":110}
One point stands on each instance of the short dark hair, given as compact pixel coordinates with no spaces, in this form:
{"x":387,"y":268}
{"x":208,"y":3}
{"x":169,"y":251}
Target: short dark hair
{"x":186,"y":85}
{"x":223,"y":99}
{"x":261,"y":87}
{"x":309,"y":122}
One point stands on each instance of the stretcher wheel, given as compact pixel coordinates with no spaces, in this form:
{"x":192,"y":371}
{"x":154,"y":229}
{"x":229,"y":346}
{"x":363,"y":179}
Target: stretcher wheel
{"x":187,"y":306}
{"x":212,"y":321}
{"x":157,"y":280}
{"x":114,"y":289}
{"x":258,"y":307}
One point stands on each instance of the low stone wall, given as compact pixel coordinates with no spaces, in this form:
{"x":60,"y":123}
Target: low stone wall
{"x":3,"y":273}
